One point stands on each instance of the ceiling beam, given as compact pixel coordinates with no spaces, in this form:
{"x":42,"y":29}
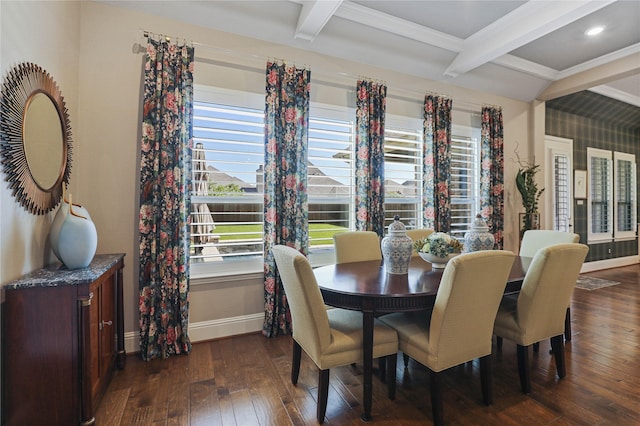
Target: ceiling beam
{"x":314,"y":16}
{"x":523,"y":25}
{"x":602,"y":74}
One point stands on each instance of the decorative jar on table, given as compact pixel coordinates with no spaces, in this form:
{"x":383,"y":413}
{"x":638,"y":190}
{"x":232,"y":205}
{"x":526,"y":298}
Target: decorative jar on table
{"x":397,"y":248}
{"x":478,"y":237}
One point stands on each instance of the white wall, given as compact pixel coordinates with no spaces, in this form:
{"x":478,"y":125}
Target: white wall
{"x":103,"y":80}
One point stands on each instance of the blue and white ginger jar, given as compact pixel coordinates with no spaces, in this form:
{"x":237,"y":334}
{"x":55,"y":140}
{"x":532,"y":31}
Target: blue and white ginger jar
{"x":478,"y":236}
{"x":397,"y":248}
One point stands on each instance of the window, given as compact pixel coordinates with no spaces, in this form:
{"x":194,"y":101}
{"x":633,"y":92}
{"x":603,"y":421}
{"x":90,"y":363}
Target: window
{"x":600,"y":197}
{"x":227,"y":195}
{"x":625,"y":195}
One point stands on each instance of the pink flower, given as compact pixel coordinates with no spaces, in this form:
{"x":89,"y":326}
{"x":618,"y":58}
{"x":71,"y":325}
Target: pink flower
{"x":269,"y":285}
{"x":272,"y":78}
{"x":362,"y":214}
{"x":290,"y":115}
{"x":290,"y":182}
{"x":271,"y":215}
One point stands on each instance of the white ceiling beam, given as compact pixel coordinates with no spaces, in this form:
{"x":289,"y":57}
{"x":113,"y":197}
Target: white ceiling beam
{"x":523,"y":25}
{"x":596,"y":76}
{"x":314,"y":16}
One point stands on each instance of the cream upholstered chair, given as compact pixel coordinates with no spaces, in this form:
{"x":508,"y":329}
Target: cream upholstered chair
{"x":539,"y":311}
{"x":535,"y":239}
{"x":331,"y":338}
{"x":461,"y":324}
{"x":418,"y":234}
{"x":356,"y":246}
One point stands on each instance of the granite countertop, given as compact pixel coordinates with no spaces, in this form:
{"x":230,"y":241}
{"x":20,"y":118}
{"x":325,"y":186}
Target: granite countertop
{"x":57,"y":274}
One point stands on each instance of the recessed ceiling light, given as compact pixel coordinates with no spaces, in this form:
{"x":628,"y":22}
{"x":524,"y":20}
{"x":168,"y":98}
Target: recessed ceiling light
{"x":594,"y":31}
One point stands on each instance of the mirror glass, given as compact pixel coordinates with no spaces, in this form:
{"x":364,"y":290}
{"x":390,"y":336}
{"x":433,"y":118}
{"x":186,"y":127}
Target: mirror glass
{"x":43,"y":140}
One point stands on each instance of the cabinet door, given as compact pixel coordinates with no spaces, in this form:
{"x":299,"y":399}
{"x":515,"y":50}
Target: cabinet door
{"x":107,"y":329}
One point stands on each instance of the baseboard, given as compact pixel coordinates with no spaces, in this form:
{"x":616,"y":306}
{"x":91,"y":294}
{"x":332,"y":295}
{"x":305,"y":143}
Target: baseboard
{"x":207,"y":330}
{"x":610,"y":263}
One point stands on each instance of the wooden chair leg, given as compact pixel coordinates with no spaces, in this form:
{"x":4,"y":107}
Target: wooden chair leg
{"x":323,"y":393}
{"x":536,"y":347}
{"x":523,"y":369}
{"x":437,"y":407}
{"x":557,"y":346}
{"x":392,"y":360}
{"x":406,"y":360}
{"x":499,"y":342}
{"x":295,"y":362}
{"x":382,"y":366}
{"x":567,"y":325}
{"x":486,"y":380}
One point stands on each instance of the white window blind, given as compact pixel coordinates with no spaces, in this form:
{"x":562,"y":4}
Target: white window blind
{"x":464,"y":188}
{"x":600,"y":196}
{"x":562,"y":194}
{"x":625,"y":195}
{"x":403,"y":176}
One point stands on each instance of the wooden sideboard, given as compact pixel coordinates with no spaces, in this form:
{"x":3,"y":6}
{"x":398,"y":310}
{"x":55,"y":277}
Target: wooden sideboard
{"x":63,"y":334}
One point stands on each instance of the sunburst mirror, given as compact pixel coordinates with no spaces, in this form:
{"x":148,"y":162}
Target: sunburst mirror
{"x":35,"y":137}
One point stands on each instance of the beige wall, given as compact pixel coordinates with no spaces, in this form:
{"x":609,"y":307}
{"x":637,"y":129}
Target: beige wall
{"x":103,"y":79}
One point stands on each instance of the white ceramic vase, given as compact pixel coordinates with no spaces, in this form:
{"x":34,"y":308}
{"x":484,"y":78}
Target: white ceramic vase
{"x":58,"y":220}
{"x":397,"y":248}
{"x":478,"y":236}
{"x":76,"y":240}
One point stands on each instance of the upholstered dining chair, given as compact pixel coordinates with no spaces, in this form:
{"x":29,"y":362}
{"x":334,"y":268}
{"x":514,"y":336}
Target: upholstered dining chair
{"x":418,"y":234}
{"x":356,"y":246}
{"x":460,"y":326}
{"x":535,"y":239}
{"x":331,"y":338}
{"x":538,"y":312}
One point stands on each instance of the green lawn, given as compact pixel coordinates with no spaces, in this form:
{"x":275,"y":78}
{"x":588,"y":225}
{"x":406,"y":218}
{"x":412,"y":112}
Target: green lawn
{"x":240,"y":232}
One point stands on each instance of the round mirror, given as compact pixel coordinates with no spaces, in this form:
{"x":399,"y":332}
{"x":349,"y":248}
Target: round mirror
{"x":43,"y":140}
{"x":35,"y":138}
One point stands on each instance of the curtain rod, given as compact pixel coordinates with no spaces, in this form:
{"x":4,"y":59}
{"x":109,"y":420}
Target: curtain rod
{"x":466,"y":106}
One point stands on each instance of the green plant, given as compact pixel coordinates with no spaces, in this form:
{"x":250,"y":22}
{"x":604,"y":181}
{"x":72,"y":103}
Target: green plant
{"x":525,"y":181}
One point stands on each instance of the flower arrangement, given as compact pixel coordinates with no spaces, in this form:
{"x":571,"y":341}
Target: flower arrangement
{"x":438,"y":244}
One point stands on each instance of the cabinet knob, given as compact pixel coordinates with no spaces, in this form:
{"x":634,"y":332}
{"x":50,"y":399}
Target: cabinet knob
{"x":103,"y":323}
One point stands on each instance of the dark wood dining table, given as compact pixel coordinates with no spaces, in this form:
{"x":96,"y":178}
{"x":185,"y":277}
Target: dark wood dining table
{"x":367,"y":287}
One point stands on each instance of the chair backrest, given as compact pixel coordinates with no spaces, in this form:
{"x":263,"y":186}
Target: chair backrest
{"x":356,"y":246}
{"x":535,"y":239}
{"x":308,"y":313}
{"x":546,"y":291}
{"x":418,"y":234}
{"x":466,"y":305}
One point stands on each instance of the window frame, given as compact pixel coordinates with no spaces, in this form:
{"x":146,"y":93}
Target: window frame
{"x":629,"y":234}
{"x":607,"y":236}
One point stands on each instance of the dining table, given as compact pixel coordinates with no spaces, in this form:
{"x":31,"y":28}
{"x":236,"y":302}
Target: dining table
{"x":366,"y":286}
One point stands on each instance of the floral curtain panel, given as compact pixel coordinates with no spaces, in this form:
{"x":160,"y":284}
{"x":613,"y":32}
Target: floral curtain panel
{"x":492,"y":173}
{"x":165,"y":178}
{"x":437,"y":163}
{"x":370,"y":115}
{"x":285,"y":182}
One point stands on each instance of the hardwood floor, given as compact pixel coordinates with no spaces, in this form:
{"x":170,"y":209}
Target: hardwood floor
{"x":245,"y":380}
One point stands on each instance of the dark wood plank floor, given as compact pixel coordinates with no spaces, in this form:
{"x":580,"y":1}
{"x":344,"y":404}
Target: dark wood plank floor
{"x":245,"y":380}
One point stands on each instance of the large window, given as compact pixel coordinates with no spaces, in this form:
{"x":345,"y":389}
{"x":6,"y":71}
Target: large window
{"x":227,"y":195}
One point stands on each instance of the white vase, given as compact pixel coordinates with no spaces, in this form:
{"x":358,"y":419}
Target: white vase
{"x":58,"y":220}
{"x":437,"y":262}
{"x":77,"y":239}
{"x":397,"y":248}
{"x":478,"y":236}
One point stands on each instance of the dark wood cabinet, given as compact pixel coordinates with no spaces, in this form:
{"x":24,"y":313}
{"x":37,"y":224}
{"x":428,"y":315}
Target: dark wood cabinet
{"x":63,"y":334}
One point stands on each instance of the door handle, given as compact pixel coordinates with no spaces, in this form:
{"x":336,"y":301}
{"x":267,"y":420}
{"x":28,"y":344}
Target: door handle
{"x":103,"y":323}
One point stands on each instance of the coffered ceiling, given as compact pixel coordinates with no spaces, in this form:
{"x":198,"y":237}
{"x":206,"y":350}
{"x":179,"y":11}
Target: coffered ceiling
{"x":523,"y":50}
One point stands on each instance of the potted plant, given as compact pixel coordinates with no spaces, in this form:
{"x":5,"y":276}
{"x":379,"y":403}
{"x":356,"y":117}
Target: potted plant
{"x":528,"y":188}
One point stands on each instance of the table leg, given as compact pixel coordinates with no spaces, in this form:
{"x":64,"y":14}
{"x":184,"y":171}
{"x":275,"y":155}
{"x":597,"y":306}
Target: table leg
{"x":367,"y":360}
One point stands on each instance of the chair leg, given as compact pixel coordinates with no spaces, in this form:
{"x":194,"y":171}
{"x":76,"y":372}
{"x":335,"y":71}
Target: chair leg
{"x":295,"y":362}
{"x":567,"y":325}
{"x":382,"y":366}
{"x":486,"y":379}
{"x":437,"y":406}
{"x":392,"y":360}
{"x":523,"y":369}
{"x":536,"y":347}
{"x":499,"y":342}
{"x":406,"y":360}
{"x":557,"y":346}
{"x":323,"y":393}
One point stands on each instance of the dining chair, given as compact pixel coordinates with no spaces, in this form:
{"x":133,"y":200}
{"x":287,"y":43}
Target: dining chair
{"x":538,"y":312}
{"x":460,"y":326}
{"x":418,"y":234}
{"x":356,"y":246}
{"x":331,"y":338}
{"x":535,"y":239}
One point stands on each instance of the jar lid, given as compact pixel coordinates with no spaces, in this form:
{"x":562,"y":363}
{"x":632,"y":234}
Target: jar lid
{"x":397,"y":227}
{"x":479,"y":223}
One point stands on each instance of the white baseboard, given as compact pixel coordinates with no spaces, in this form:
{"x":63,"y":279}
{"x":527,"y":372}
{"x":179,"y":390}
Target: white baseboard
{"x":610,"y":263}
{"x":207,"y":330}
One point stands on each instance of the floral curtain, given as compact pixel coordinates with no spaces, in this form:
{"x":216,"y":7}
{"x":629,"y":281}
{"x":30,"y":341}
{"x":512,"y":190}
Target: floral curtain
{"x":437,"y":163}
{"x":165,"y":178}
{"x":285,"y":182}
{"x":370,"y":114}
{"x":492,"y":173}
